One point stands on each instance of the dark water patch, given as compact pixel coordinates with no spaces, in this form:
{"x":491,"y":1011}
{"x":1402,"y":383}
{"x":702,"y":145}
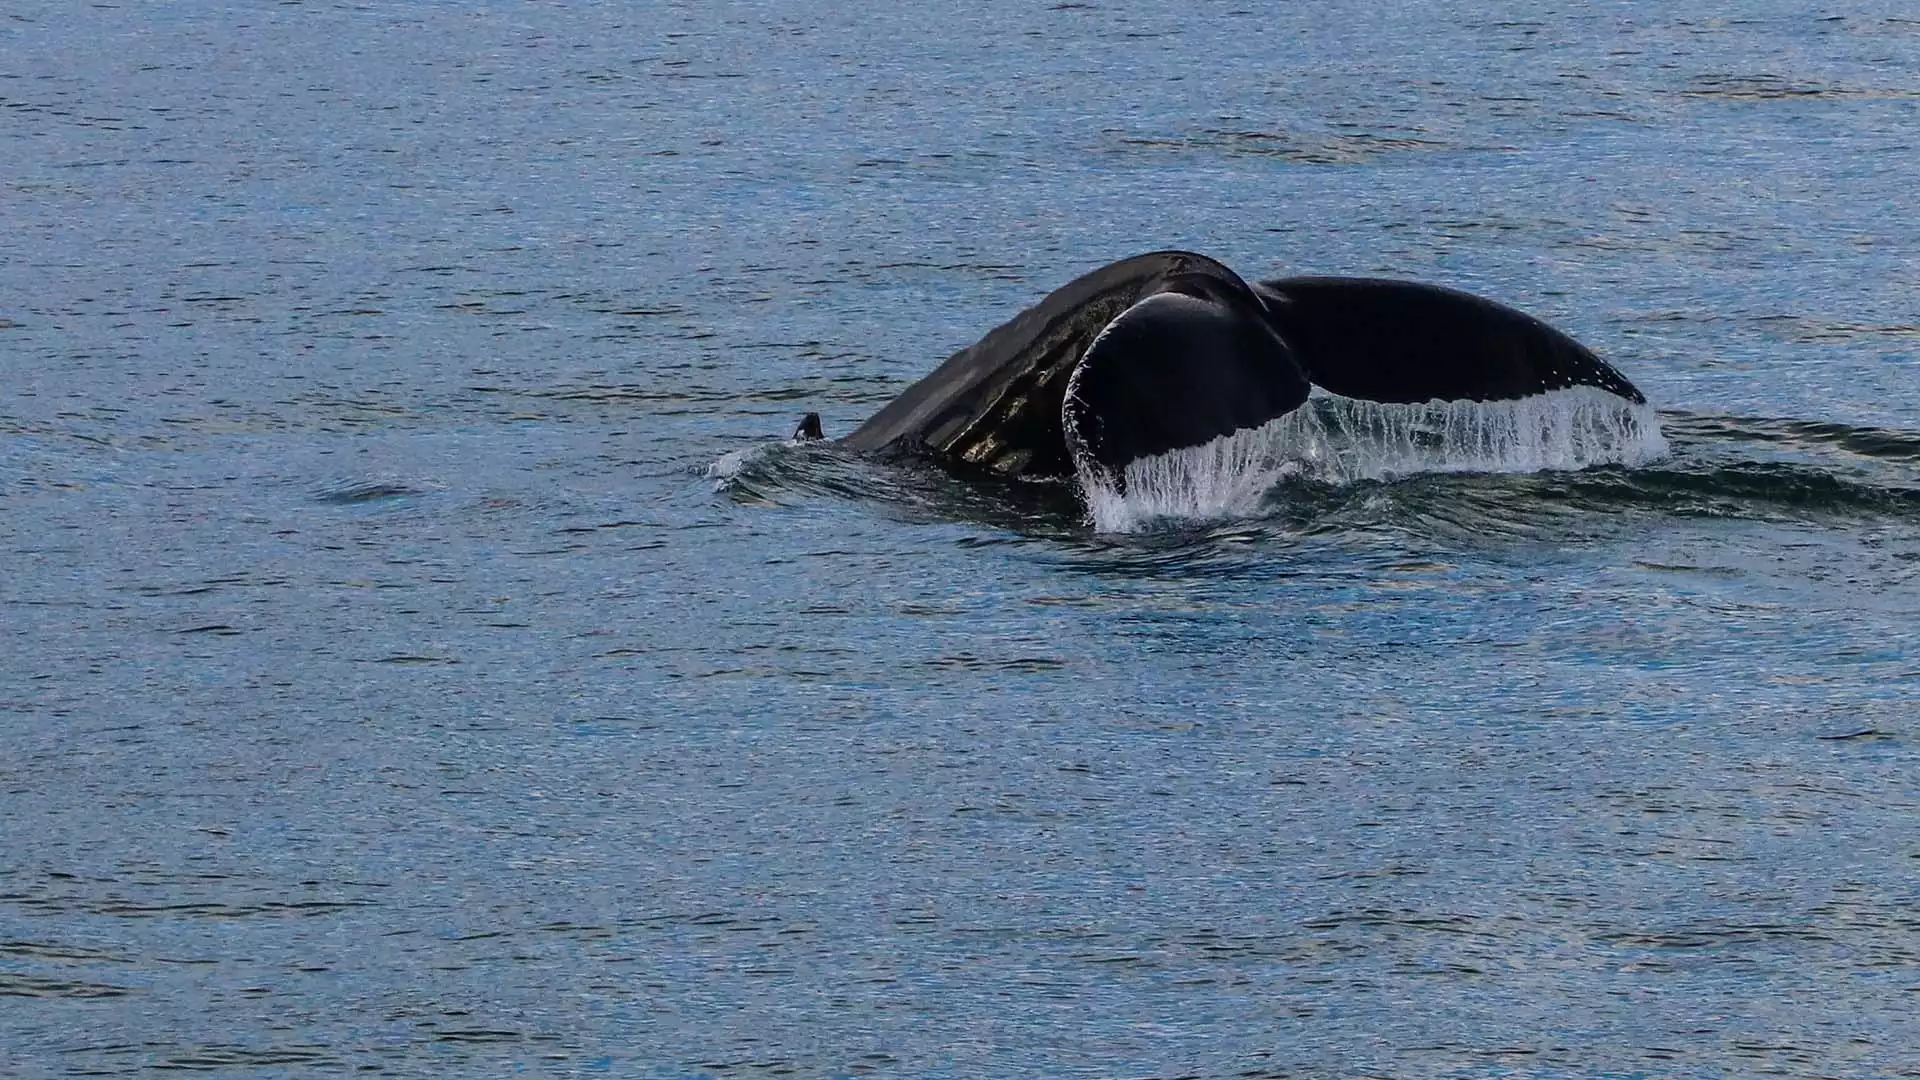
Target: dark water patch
{"x":1759,"y":490}
{"x":1805,"y":435}
{"x":216,"y":629}
{"x":1412,"y":920}
{"x":1023,"y":664}
{"x":1804,"y":330}
{"x":101,"y":899}
{"x":1209,"y":551}
{"x":209,"y":586}
{"x":478,"y":1035}
{"x":1767,"y":87}
{"x":608,"y":526}
{"x":1859,"y":735}
{"x":13,"y":984}
{"x":35,"y":950}
{"x":1302,"y":148}
{"x":218,"y":1057}
{"x":1713,"y":938}
{"x":269,"y":908}
{"x":356,"y":492}
{"x":617,"y":395}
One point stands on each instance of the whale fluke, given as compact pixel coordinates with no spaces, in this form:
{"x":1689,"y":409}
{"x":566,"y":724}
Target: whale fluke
{"x":1171,"y":350}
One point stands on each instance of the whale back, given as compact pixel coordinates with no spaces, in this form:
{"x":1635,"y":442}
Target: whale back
{"x":996,"y":405}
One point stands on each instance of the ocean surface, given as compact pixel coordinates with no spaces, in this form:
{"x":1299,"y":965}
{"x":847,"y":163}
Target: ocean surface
{"x":421,"y":655}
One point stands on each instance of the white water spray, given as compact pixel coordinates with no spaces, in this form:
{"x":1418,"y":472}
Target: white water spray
{"x":1339,"y":440}
{"x":729,"y":465}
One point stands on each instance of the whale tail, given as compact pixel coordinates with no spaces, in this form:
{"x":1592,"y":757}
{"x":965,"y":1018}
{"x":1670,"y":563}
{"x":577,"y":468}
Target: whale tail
{"x":1172,"y":350}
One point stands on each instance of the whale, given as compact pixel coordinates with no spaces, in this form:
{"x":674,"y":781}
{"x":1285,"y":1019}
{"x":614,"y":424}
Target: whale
{"x":1172,"y":349}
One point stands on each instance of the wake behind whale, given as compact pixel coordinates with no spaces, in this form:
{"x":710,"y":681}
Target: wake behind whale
{"x":1168,"y":386}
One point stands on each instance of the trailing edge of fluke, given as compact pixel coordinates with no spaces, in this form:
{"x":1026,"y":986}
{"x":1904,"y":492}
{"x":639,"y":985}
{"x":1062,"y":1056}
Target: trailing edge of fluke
{"x":1171,"y":350}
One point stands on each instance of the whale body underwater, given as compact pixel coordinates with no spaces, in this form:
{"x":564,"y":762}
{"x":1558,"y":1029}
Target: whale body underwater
{"x":1171,"y":350}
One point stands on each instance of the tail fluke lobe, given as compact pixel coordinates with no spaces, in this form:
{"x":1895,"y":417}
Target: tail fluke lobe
{"x":1400,"y":341}
{"x":1176,"y":370}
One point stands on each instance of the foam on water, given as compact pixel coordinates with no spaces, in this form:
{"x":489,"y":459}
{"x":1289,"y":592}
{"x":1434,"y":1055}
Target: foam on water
{"x":727,"y":468}
{"x":729,"y":465}
{"x":1338,"y":440}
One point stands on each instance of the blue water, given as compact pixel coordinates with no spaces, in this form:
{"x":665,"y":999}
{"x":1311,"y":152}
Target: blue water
{"x":391,"y":684}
